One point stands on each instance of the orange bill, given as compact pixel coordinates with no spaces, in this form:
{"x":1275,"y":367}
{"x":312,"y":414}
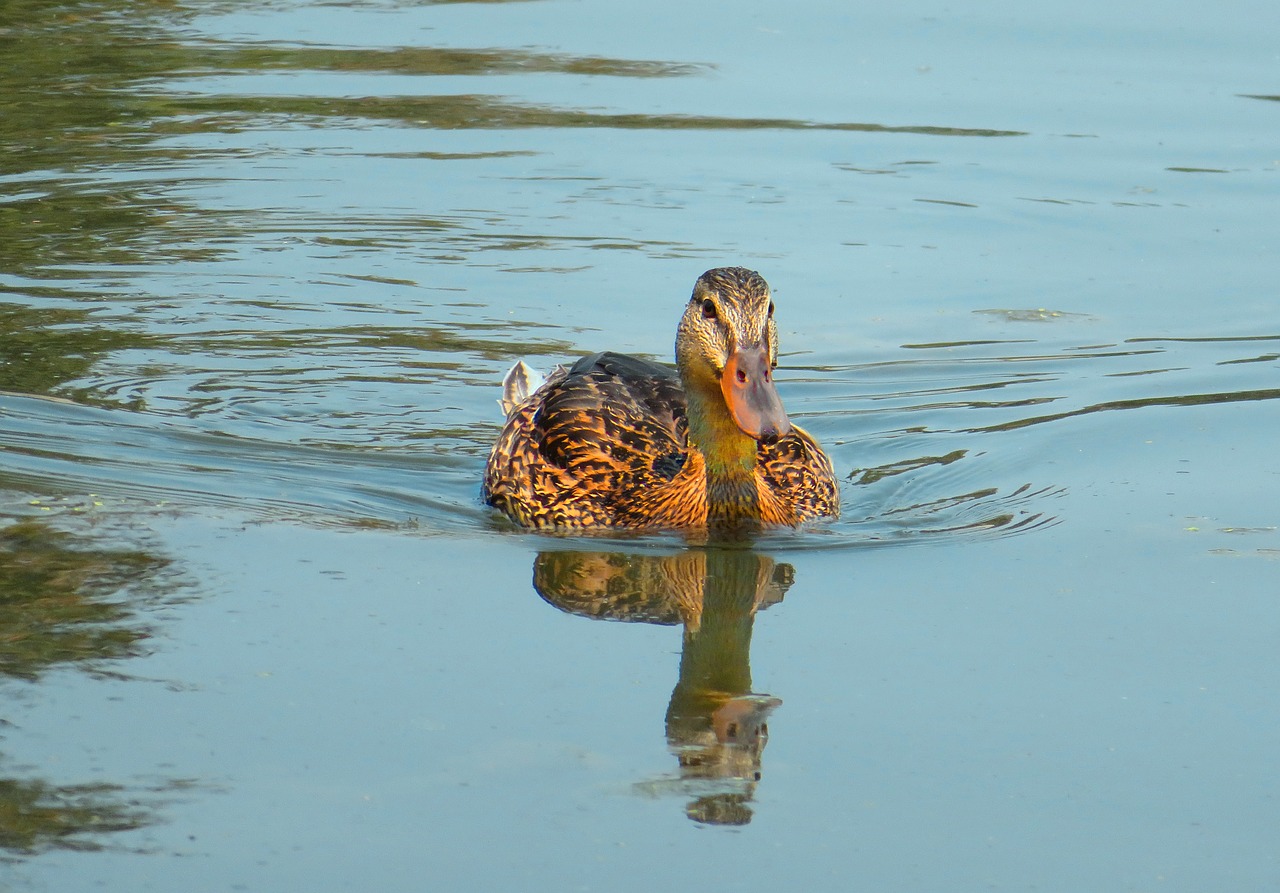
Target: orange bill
{"x":747,"y":384}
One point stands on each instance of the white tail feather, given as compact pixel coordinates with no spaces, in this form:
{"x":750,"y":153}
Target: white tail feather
{"x":517,"y":385}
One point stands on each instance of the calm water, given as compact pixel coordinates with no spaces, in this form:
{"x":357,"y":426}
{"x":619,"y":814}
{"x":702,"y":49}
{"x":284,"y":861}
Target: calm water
{"x":261,"y":273}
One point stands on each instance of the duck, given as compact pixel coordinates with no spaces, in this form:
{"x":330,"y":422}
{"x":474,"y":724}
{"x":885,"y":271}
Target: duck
{"x":616,"y":442}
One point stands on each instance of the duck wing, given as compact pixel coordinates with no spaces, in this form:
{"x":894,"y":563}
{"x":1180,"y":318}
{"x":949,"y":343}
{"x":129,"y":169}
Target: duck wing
{"x":615,"y":414}
{"x":797,"y":466}
{"x":594,"y":444}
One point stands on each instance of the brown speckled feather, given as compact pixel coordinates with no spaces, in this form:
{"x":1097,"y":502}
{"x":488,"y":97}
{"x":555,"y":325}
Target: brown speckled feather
{"x":581,"y":448}
{"x":796,"y":466}
{"x":606,"y":443}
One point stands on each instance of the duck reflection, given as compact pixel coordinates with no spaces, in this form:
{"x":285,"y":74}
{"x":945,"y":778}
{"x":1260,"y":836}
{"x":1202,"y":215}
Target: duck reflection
{"x":715,"y":725}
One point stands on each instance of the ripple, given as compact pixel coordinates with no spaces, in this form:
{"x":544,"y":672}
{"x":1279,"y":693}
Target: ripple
{"x":142,"y":461}
{"x":341,"y":426}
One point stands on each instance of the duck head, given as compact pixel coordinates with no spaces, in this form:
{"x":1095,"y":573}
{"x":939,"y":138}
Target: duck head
{"x":727,"y":349}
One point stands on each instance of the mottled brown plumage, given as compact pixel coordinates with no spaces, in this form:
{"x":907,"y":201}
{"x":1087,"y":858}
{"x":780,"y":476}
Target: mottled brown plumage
{"x":619,"y":442}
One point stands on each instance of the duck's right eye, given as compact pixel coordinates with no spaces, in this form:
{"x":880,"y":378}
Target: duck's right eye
{"x":709,"y":309}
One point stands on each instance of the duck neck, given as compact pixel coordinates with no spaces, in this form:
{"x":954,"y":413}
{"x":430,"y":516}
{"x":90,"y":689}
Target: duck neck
{"x":729,"y":456}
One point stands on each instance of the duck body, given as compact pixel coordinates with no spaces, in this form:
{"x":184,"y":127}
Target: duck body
{"x":617,"y":442}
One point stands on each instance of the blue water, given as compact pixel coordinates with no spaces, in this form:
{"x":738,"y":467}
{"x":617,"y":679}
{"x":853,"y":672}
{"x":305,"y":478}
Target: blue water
{"x":264,"y":270}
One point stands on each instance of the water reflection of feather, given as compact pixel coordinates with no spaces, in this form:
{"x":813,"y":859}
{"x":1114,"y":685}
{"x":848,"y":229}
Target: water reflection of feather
{"x":715,"y":725}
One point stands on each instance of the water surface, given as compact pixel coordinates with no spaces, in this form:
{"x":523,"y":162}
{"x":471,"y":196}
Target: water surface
{"x":262,"y":271}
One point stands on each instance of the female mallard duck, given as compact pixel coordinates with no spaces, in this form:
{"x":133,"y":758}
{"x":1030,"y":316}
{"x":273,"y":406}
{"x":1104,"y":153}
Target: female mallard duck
{"x":619,"y":442}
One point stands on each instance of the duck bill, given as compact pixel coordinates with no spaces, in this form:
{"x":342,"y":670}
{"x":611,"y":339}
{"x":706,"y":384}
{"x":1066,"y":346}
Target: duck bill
{"x":747,"y":384}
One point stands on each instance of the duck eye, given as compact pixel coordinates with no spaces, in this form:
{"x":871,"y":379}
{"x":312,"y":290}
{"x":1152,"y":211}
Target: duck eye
{"x":771,"y":309}
{"x":709,"y":309}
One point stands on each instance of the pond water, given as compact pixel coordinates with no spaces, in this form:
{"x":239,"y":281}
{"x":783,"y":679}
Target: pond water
{"x":263,"y":270}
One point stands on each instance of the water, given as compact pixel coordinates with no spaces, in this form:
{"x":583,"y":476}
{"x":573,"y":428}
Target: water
{"x":262,"y":272}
